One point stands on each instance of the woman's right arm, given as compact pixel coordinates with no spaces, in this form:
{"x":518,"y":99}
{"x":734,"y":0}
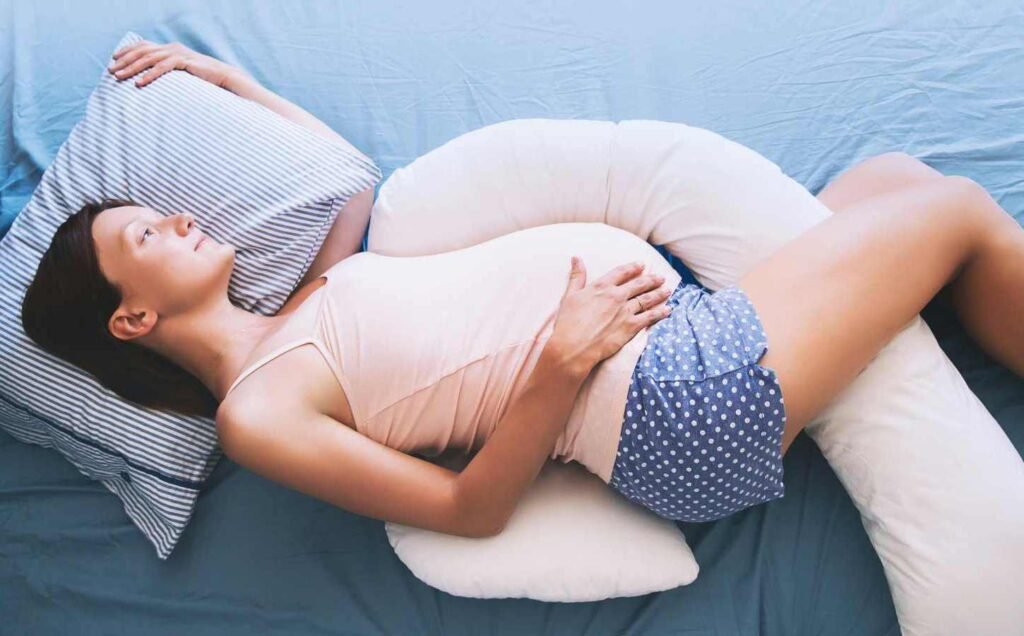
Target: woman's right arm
{"x":592,"y":323}
{"x":490,"y":486}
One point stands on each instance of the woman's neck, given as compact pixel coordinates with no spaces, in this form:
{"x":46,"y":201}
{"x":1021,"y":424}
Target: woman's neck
{"x":213,"y":342}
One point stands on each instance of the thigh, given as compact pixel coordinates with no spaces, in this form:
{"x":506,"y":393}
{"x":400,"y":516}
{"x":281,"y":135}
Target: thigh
{"x":830,"y":299}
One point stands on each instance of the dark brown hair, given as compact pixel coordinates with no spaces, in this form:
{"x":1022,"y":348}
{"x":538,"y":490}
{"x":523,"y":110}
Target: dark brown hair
{"x":66,"y":310}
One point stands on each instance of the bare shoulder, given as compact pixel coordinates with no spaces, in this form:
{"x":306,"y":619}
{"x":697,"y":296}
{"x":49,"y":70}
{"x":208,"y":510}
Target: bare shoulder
{"x":248,"y":407}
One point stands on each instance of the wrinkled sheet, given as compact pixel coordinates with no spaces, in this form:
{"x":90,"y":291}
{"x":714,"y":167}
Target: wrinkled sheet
{"x":813,"y":86}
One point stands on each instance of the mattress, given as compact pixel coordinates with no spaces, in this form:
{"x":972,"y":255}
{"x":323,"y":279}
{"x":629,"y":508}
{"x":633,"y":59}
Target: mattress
{"x":814,"y":87}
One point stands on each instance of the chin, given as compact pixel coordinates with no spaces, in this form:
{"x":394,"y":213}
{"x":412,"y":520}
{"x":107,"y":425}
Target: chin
{"x":224,"y":262}
{"x":226,"y":248}
{"x":228,"y":255}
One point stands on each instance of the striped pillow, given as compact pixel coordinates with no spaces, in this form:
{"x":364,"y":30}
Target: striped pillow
{"x":253,"y":179}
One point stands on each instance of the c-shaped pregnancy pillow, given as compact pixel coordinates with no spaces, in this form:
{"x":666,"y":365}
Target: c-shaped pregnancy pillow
{"x":939,"y":486}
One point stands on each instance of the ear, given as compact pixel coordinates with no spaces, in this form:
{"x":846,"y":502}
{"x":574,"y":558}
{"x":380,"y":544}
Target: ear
{"x":126,"y":324}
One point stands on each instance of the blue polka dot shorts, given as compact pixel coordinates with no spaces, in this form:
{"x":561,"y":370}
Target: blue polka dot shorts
{"x":702,"y":432}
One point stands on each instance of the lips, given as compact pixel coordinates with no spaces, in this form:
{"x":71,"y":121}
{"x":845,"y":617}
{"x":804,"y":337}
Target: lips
{"x":202,"y":239}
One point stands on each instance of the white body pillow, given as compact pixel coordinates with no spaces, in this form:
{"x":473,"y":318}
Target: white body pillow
{"x":939,"y":486}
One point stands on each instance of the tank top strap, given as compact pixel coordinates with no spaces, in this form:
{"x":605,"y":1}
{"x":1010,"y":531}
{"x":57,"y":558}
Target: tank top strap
{"x":268,"y":357}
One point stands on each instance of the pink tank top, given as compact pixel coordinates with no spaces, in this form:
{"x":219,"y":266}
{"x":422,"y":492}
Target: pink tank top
{"x":432,"y":350}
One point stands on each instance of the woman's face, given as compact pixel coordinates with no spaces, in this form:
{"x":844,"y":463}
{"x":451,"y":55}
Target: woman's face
{"x":159,"y":265}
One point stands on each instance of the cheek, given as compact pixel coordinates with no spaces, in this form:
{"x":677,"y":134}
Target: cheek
{"x":181,"y":274}
{"x":165,"y":276}
{"x":154,"y":279}
{"x":198,"y":270}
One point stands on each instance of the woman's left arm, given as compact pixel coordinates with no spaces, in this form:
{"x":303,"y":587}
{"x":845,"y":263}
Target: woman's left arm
{"x":346,"y":235}
{"x":244,"y":85}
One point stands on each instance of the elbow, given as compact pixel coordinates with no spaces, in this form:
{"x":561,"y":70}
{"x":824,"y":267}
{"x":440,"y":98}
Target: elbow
{"x":493,"y":529}
{"x":475,"y":519}
{"x":483,"y":530}
{"x":473,"y":524}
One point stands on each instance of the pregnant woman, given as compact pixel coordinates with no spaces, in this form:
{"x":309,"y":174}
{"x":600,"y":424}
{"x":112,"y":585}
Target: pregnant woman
{"x":571,"y":341}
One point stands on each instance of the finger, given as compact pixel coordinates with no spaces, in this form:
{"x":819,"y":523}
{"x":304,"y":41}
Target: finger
{"x":139,"y":65}
{"x":133,"y":59}
{"x":132,"y":56}
{"x":622,"y":273}
{"x":128,"y":54}
{"x":155,"y":72}
{"x":641,"y":284}
{"x":651,"y":316}
{"x":580,"y":269}
{"x":577,"y":275}
{"x":572,"y":274}
{"x":130,"y":47}
{"x":652,"y":298}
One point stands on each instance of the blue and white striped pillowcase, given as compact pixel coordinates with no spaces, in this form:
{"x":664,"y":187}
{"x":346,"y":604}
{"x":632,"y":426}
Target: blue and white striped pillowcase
{"x":253,"y":179}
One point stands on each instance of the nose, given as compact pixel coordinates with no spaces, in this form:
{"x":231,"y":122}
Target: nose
{"x":185,"y":221}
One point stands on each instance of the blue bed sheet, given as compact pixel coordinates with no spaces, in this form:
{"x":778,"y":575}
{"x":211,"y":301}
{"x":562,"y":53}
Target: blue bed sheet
{"x":813,"y":86}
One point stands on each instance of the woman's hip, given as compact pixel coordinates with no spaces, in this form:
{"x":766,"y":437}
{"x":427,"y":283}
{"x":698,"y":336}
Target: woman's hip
{"x":703,"y":421}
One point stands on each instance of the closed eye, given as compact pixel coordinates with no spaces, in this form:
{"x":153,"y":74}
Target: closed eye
{"x":144,"y":235}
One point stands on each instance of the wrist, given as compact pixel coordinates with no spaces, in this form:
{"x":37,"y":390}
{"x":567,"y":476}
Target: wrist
{"x":238,"y":81}
{"x":573,"y":367}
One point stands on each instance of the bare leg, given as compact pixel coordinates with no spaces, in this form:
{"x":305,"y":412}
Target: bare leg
{"x":832,"y":297}
{"x":894,"y":171}
{"x":880,"y":174}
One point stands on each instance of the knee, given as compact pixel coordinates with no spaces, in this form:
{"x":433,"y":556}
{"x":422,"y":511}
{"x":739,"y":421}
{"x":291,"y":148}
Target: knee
{"x":895,"y":157}
{"x":899,"y":162}
{"x":965,"y":189}
{"x":973,"y":202}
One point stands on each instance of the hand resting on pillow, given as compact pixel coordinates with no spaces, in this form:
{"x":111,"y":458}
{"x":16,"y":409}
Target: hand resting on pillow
{"x":346,"y":234}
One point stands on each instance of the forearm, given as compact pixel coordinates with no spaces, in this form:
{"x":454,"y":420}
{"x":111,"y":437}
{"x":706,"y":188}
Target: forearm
{"x":244,"y":85}
{"x":346,"y":235}
{"x":491,"y":485}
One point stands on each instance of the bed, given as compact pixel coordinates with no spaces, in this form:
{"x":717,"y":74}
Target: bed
{"x":813,"y":89}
